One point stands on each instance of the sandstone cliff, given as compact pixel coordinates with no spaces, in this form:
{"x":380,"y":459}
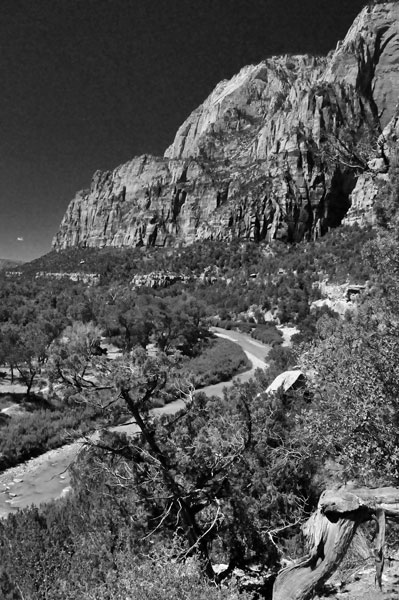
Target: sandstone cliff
{"x":281,"y":151}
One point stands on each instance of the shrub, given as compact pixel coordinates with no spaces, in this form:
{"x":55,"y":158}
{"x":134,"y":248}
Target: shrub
{"x":267,"y":334}
{"x":218,"y":362}
{"x":154,"y":581}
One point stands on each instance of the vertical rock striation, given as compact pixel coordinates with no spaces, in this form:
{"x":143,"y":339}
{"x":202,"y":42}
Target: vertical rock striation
{"x":280,"y":151}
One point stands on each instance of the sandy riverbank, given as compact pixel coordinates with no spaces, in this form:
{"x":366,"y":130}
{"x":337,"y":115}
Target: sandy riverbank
{"x":39,"y":479}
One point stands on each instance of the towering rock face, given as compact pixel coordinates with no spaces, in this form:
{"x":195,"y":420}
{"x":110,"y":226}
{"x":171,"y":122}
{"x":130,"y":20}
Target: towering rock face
{"x":368,"y":59}
{"x":279,"y":151}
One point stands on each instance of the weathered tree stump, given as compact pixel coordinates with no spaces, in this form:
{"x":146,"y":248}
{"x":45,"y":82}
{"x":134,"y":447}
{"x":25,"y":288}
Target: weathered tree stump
{"x":330,"y":531}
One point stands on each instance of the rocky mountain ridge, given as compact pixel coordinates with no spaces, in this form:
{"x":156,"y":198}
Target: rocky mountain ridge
{"x":280,"y":151}
{"x":8,"y":263}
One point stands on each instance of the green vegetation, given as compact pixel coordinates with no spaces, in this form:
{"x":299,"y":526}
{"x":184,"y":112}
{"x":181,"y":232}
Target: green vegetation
{"x":217,"y":478}
{"x":267,"y":334}
{"x":29,"y":435}
{"x":218,"y":362}
{"x":356,"y":415}
{"x":227,"y":279}
{"x":225,"y":481}
{"x":32,"y":343}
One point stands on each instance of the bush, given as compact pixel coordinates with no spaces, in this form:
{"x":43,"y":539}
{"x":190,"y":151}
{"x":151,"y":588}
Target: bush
{"x":246,"y":327}
{"x":153,"y":581}
{"x":220,"y":361}
{"x":267,"y":334}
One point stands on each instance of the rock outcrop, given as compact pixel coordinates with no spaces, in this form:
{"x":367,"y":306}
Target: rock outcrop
{"x":280,"y":151}
{"x":159,"y":279}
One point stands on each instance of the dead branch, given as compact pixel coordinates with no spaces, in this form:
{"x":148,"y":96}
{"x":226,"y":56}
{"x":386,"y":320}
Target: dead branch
{"x":330,"y":531}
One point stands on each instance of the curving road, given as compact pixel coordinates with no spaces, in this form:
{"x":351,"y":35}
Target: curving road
{"x":46,"y":477}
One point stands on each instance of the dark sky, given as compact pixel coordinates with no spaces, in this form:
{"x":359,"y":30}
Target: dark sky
{"x":88,"y":84}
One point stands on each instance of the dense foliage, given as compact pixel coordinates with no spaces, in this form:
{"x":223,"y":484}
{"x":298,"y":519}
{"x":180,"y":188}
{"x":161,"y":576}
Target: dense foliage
{"x":218,"y":362}
{"x":355,"y":413}
{"x":228,"y":279}
{"x":225,"y":481}
{"x":227,"y":478}
{"x":46,"y":424}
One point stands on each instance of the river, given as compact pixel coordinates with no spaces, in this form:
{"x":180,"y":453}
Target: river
{"x":46,"y":477}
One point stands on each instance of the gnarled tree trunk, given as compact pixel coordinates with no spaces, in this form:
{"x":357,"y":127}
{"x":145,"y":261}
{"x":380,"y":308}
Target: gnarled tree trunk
{"x":330,"y":531}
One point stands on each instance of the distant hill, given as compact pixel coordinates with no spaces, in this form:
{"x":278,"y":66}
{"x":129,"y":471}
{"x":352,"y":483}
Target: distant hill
{"x":7,"y":263}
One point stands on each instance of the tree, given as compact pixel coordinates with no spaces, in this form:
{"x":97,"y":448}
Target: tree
{"x":126,"y":320}
{"x":225,"y":475}
{"x":9,"y":336}
{"x":330,"y":531}
{"x":24,"y":348}
{"x":132,"y":319}
{"x":354,"y":416}
{"x":72,"y":358}
{"x":179,"y":323}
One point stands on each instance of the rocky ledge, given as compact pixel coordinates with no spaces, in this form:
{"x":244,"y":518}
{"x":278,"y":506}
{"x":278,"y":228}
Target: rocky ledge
{"x":280,"y":151}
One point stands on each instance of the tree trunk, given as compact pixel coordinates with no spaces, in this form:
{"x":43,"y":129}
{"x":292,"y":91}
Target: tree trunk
{"x":330,"y":531}
{"x":379,"y":557}
{"x":29,"y":383}
{"x":298,"y":582}
{"x":195,"y":536}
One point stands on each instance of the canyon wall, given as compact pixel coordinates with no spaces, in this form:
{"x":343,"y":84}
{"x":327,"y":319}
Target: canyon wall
{"x":281,"y":151}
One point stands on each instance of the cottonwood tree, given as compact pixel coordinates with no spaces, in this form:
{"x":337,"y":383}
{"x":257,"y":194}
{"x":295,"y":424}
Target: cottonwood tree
{"x":9,"y":336}
{"x":131,"y":319}
{"x":24,"y":348}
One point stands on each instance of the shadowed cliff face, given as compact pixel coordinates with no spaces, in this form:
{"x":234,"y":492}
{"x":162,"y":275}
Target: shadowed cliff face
{"x":277,"y":152}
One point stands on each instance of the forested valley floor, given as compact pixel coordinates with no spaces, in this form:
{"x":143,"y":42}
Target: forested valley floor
{"x":208,"y":502}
